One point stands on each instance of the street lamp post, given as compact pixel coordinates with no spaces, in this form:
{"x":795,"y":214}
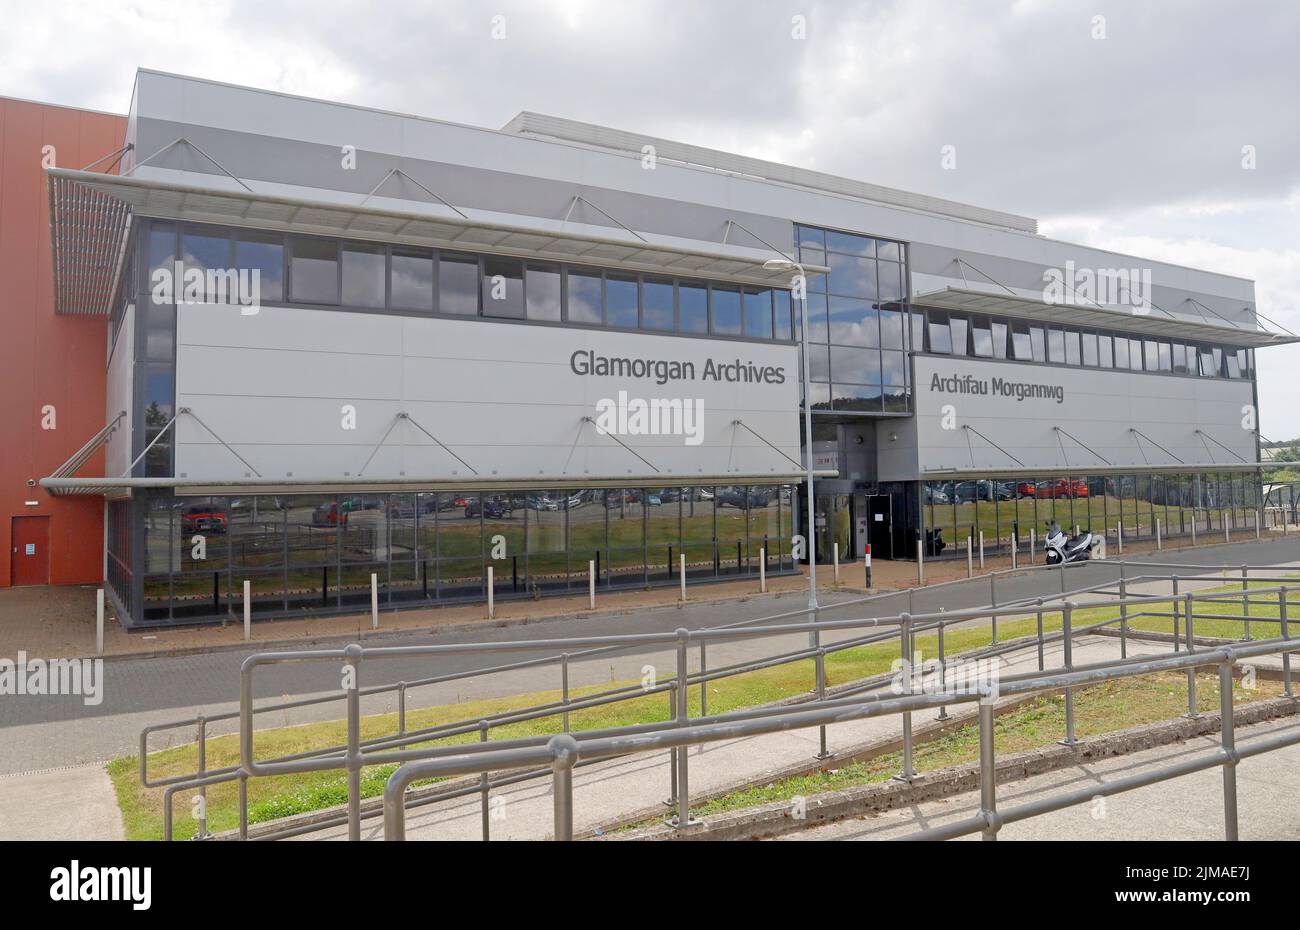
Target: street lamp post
{"x":801,"y":295}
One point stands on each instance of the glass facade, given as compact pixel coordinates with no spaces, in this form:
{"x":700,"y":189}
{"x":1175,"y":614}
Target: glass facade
{"x":858,"y":334}
{"x":316,"y":553}
{"x":1011,"y":506}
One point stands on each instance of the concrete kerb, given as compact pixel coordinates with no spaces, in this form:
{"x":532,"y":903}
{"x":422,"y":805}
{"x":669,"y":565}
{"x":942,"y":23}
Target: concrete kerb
{"x":776,"y":819}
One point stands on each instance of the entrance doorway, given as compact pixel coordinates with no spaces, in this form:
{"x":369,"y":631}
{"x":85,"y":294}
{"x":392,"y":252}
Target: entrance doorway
{"x":880,"y":525}
{"x":29,"y":560}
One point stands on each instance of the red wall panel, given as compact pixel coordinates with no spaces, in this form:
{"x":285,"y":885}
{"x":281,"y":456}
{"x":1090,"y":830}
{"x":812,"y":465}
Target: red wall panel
{"x":47,"y":359}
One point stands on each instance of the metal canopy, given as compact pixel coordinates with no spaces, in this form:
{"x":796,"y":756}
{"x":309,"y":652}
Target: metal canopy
{"x":90,"y":215}
{"x":1156,"y":323}
{"x":206,"y":487}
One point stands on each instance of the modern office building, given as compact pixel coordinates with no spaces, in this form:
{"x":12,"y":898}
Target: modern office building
{"x":344,"y":342}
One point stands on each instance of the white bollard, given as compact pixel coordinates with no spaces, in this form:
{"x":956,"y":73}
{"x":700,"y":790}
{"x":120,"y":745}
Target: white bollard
{"x":762,"y":570}
{"x":920,"y":561}
{"x":1119,"y":536}
{"x":981,"y":550}
{"x":1193,"y":529}
{"x":1256,"y":526}
{"x":1227,"y":533}
{"x":1033,"y":538}
{"x":248,"y":610}
{"x":491,"y":593}
{"x":99,"y":622}
{"x":1103,"y":547}
{"x":374,"y":601}
{"x":681,"y":575}
{"x":970,"y":560}
{"x":591,"y":584}
{"x":1159,"y":542}
{"x":835,"y":555}
{"x":1015,"y":561}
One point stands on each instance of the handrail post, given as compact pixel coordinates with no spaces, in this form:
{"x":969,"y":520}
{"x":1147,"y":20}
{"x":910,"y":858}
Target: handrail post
{"x":993,"y":602}
{"x":485,"y":789}
{"x":352,"y":661}
{"x":1067,"y":609}
{"x":1286,"y":634}
{"x":401,"y":708}
{"x":704,"y":685}
{"x":1228,"y":742}
{"x":1174,"y":606}
{"x":905,"y":643}
{"x":203,"y":768}
{"x":943,"y":669}
{"x":683,"y":818}
{"x":564,"y":749}
{"x":1245,"y":601}
{"x":1191,"y":669}
{"x":1039,"y":603}
{"x":243,"y":804}
{"x":822,"y":752}
{"x":1123,"y":613}
{"x":988,"y":772}
{"x":564,"y":688}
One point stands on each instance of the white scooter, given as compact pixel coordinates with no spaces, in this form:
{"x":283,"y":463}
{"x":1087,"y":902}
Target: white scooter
{"x":1061,"y":548}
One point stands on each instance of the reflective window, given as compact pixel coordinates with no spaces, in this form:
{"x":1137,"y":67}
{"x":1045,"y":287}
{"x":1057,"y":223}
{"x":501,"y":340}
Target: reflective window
{"x":411,"y":280}
{"x":1121,"y":352}
{"x":542,"y":292}
{"x":850,"y":244}
{"x":783,"y":317}
{"x":693,"y":307}
{"x":314,"y":270}
{"x":458,"y":285}
{"x":758,"y":313}
{"x":853,"y":321}
{"x":1105,"y":351}
{"x":1055,"y":345}
{"x":982,"y":337}
{"x":1072,"y":352}
{"x":850,"y":276}
{"x":657,"y":305}
{"x":724,"y":309}
{"x":584,"y":301}
{"x":1038,"y":343}
{"x":263,"y":254}
{"x":206,"y":259}
{"x":503,"y":288}
{"x":1021,"y":350}
{"x":891,"y":329}
{"x":1090,"y":349}
{"x":940,"y":334}
{"x":959,"y":326}
{"x":999,"y":339}
{"x":621,"y":301}
{"x":363,"y":276}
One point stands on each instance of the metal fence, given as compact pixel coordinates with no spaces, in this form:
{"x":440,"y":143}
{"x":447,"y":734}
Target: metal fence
{"x":503,"y":762}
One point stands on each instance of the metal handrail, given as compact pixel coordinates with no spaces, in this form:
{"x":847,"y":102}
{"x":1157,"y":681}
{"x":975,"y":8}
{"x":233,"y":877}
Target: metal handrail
{"x":338,"y":756}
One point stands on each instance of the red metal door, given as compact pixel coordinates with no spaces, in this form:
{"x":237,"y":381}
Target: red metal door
{"x":30,"y":558}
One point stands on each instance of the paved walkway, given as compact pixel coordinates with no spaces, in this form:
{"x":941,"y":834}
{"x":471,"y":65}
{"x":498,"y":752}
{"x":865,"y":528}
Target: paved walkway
{"x":75,"y":803}
{"x":1186,"y":808}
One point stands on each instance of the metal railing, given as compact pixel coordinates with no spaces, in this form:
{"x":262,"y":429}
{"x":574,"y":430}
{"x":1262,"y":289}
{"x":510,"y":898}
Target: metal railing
{"x":408,"y":744}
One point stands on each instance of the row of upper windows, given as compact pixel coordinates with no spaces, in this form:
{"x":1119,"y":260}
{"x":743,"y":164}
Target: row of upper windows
{"x":1020,"y":340}
{"x":368,"y":276}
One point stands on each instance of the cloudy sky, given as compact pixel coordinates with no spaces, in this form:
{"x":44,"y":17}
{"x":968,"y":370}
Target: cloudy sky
{"x":1117,"y":123}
